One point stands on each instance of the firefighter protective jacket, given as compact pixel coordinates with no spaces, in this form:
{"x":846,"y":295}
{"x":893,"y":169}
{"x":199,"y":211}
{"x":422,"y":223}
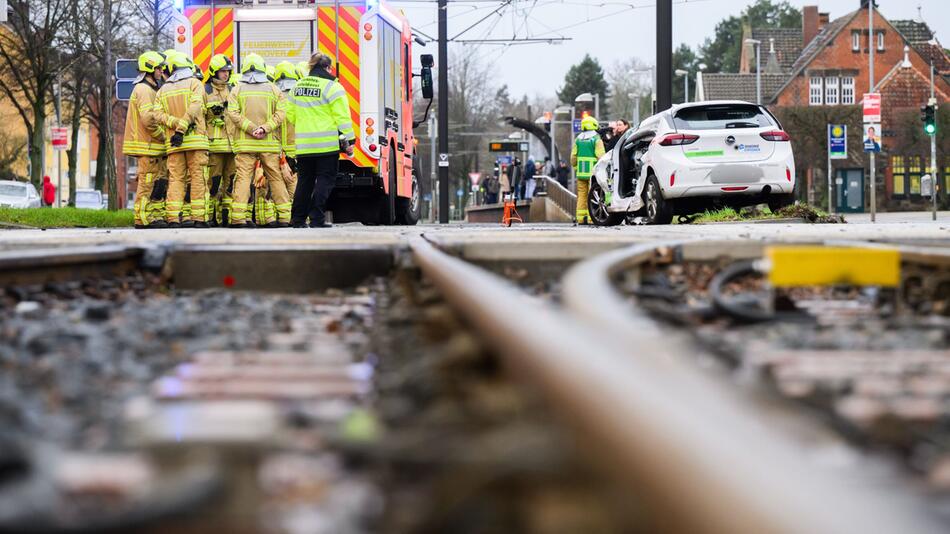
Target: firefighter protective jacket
{"x":288,"y":136}
{"x":220,"y":129}
{"x":320,"y":112}
{"x":181,"y":109}
{"x":255,"y":104}
{"x":144,"y":135}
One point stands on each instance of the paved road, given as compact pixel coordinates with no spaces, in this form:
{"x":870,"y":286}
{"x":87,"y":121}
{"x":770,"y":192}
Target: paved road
{"x":528,"y":240}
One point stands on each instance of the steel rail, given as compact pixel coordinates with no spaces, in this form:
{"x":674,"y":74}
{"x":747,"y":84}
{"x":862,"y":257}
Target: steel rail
{"x":699,"y":444}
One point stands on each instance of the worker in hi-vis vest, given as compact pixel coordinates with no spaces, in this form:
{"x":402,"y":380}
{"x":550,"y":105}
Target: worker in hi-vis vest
{"x":588,"y":148}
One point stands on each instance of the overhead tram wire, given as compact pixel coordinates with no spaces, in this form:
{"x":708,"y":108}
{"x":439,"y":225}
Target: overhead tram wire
{"x":504,"y":4}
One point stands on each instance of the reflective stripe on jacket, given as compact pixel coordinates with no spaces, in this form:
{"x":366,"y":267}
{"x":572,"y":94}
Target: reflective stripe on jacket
{"x":320,"y":113}
{"x":250,"y":106}
{"x":588,"y":148}
{"x":181,"y":109}
{"x":144,"y":136}
{"x":288,"y":138}
{"x":220,"y":129}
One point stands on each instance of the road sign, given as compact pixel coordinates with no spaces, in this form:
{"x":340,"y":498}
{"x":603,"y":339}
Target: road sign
{"x":872,"y":107}
{"x":123,"y":89}
{"x":576,"y":126}
{"x":460,"y":192}
{"x":872,"y":137}
{"x":474,"y":177}
{"x":508,"y":146}
{"x":126,"y":69}
{"x":504,"y":160}
{"x":3,"y":10}
{"x":443,"y":160}
{"x":838,"y":141}
{"x":59,"y":136}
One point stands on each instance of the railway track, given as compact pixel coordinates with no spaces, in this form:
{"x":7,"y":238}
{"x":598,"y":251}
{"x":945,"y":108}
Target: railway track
{"x":680,"y":444}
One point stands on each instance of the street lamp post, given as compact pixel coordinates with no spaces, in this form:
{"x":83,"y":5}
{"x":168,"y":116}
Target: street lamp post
{"x":758,"y":69}
{"x":652,"y":72}
{"x":685,"y":75}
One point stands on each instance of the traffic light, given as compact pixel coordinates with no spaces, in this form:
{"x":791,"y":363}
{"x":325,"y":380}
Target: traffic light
{"x":928,"y":115}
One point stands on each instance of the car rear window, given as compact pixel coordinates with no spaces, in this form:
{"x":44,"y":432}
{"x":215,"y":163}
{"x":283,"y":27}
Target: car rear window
{"x":721,"y":117}
{"x":11,"y":190}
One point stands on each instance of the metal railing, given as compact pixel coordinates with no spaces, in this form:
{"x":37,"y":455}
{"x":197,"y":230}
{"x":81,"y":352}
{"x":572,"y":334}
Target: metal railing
{"x":560,"y":195}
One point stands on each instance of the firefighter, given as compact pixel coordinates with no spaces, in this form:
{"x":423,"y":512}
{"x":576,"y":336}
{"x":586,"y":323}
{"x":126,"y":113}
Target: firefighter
{"x":320,"y":112}
{"x":220,"y":135}
{"x":588,"y":148}
{"x":181,"y":110}
{"x":256,"y":108}
{"x":286,"y":74}
{"x":144,"y":136}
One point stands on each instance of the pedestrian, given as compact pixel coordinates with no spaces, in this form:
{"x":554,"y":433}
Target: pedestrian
{"x":514,"y":178}
{"x":181,"y":110}
{"x":529,"y":182}
{"x":257,"y":108}
{"x":320,"y":113}
{"x":492,"y":187}
{"x":49,"y":192}
{"x":617,"y":129}
{"x":145,"y":139}
{"x":221,"y":168}
{"x":588,"y":148}
{"x":563,"y":174}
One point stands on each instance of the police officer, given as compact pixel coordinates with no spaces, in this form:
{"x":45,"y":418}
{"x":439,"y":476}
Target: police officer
{"x":181,"y":108}
{"x":320,"y":112}
{"x":588,"y":148}
{"x":220,"y":132}
{"x":145,"y":137}
{"x":256,"y":108}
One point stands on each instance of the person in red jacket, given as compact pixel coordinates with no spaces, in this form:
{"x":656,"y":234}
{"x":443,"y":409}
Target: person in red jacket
{"x":49,"y":192}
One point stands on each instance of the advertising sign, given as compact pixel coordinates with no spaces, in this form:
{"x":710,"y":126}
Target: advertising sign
{"x":838,"y":141}
{"x":872,"y":107}
{"x":872,"y":137}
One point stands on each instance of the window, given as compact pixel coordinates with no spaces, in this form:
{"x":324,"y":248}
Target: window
{"x":855,"y":41}
{"x":880,"y":41}
{"x":814,"y":91}
{"x":831,"y":91}
{"x":847,"y":90}
{"x":899,"y":174}
{"x":721,"y":117}
{"x":946,"y":177}
{"x":913,"y":170}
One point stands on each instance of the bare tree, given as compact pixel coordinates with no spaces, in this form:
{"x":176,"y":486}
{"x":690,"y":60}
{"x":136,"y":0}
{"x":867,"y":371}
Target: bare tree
{"x":77,"y":88}
{"x":30,"y":58}
{"x":155,"y":18}
{"x":629,"y":77}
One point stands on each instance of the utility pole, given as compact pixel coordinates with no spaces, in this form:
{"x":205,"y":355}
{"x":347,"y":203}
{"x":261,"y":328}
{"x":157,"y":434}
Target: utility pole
{"x":443,"y":122}
{"x":433,"y":183}
{"x":871,"y":90}
{"x":664,"y":55}
{"x":933,"y":147}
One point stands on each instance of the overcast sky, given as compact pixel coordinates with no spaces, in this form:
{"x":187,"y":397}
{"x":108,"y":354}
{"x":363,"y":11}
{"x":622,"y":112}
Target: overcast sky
{"x":610,"y":30}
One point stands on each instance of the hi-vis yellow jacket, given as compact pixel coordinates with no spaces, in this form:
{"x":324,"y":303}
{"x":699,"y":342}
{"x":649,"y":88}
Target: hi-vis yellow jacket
{"x":251,"y":105}
{"x":320,"y":113}
{"x":220,"y":129}
{"x":181,"y":109}
{"x":144,"y":136}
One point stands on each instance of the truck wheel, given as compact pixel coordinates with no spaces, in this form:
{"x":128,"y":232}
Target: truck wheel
{"x":597,"y":206}
{"x":659,"y":210}
{"x":410,"y":209}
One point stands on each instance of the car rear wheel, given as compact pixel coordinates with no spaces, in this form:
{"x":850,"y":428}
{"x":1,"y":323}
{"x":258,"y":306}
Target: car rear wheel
{"x":777,"y":202}
{"x":597,"y":206}
{"x":658,"y":210}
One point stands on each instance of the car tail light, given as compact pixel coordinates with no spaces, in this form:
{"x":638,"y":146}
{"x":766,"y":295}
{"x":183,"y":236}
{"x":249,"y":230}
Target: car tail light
{"x":775,"y":135}
{"x":672,"y":179}
{"x":788,"y":174}
{"x":734,"y":188}
{"x":678,"y":140}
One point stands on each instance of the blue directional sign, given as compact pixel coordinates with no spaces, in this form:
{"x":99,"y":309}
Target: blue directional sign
{"x":123,"y":89}
{"x":838,"y":141}
{"x":577,"y":126}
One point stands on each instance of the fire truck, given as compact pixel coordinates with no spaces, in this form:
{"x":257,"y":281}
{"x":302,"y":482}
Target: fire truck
{"x":371,"y":44}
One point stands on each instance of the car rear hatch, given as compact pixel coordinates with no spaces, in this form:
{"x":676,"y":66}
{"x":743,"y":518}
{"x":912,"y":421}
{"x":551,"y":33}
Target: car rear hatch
{"x":728,"y":133}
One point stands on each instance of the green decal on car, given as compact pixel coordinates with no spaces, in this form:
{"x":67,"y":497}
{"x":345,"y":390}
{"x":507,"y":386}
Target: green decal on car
{"x":705,"y":153}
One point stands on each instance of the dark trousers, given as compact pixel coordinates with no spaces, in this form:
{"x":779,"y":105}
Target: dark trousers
{"x":316,"y":176}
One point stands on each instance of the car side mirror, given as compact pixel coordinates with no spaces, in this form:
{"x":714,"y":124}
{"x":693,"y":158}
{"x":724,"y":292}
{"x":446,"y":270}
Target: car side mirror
{"x":426,"y":75}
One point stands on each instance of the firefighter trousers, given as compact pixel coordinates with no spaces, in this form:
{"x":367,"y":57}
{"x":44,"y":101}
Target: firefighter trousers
{"x":581,"y":215}
{"x":221,"y":177}
{"x":245,"y":164}
{"x":188,"y":166}
{"x":150,"y":169}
